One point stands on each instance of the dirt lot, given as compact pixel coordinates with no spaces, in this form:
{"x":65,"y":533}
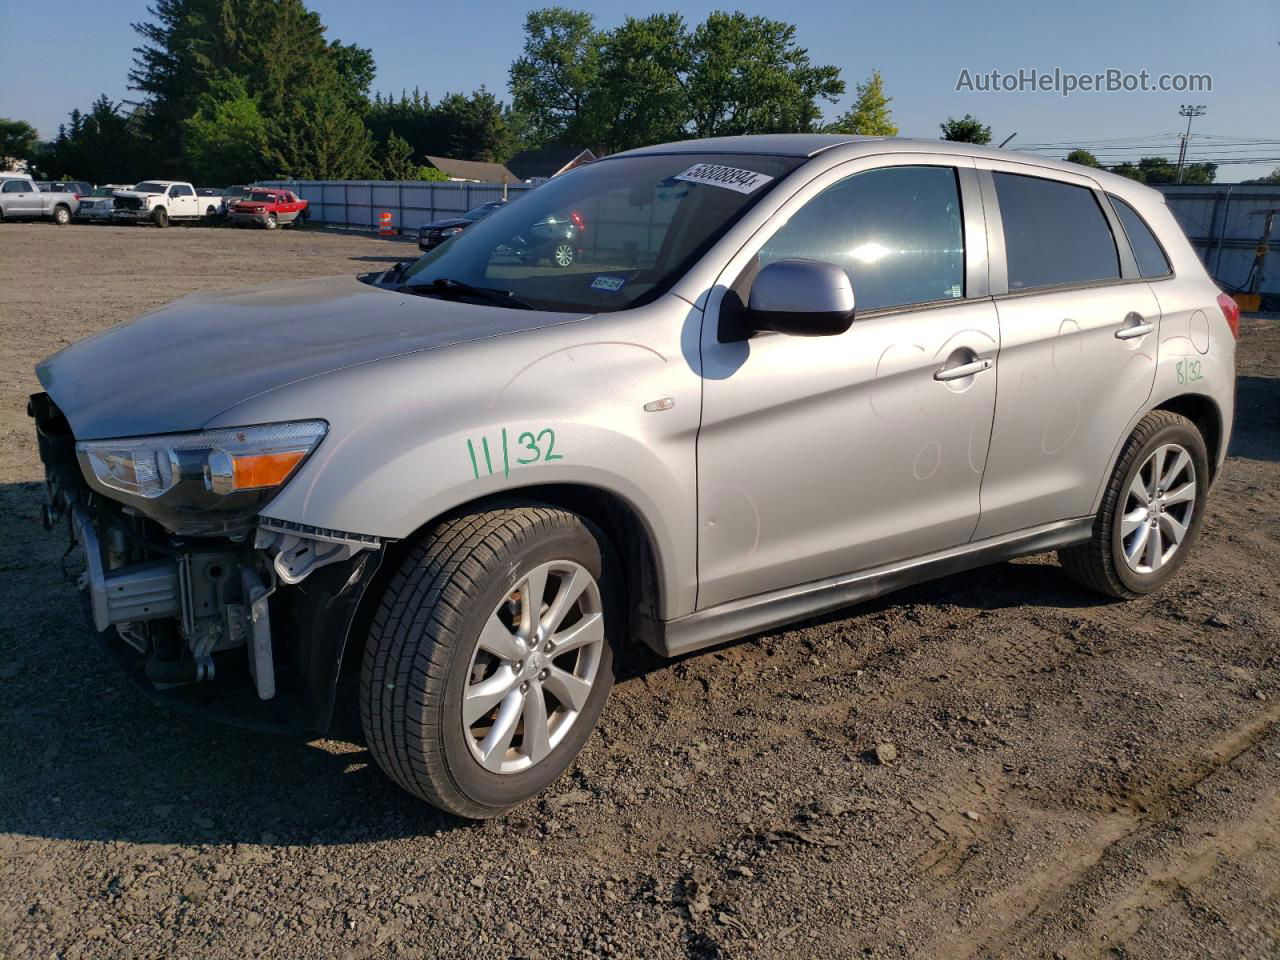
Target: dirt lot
{"x":1073,"y":778}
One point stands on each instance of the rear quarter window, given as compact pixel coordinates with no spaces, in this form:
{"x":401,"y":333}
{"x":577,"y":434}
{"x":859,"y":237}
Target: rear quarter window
{"x":1054,"y":233}
{"x":1152,"y":261}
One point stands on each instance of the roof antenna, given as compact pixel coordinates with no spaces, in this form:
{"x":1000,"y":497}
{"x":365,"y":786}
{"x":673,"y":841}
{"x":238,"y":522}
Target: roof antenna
{"x":1007,"y":139}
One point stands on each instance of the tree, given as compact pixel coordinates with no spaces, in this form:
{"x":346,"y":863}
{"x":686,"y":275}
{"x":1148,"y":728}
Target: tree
{"x":1163,"y":170}
{"x":641,"y":91}
{"x":746,"y":75}
{"x":968,"y":129}
{"x":552,"y":81}
{"x":397,"y":159}
{"x":18,"y":142}
{"x":1272,"y":177}
{"x":1083,"y":157}
{"x":870,"y":115}
{"x":226,"y":140}
{"x":102,"y":146}
{"x":470,"y":127}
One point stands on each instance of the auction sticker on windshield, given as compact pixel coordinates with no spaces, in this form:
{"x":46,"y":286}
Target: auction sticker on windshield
{"x":731,"y":178}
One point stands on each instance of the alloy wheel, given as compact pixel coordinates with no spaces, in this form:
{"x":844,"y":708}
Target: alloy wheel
{"x":563,"y":255}
{"x":533,"y":667}
{"x":1158,"y":507}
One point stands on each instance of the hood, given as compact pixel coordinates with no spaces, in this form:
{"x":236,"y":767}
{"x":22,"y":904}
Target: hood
{"x":452,"y":222}
{"x":135,"y":193}
{"x":178,"y":367}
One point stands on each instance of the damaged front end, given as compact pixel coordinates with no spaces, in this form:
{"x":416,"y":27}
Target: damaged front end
{"x":213,"y":608}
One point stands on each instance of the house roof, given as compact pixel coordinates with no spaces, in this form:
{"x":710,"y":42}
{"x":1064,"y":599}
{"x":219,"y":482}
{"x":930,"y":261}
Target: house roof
{"x":546,"y":162}
{"x":472,"y":170}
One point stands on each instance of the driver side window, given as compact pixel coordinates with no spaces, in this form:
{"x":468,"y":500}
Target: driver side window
{"x":896,"y":231}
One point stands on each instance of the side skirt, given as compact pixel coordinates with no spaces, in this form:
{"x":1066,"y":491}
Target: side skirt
{"x":750,"y":615}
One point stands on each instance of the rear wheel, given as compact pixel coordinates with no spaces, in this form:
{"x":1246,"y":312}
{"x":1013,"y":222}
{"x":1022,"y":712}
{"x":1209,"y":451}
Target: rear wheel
{"x":1151,"y":511}
{"x":61,"y":215}
{"x":563,"y":254}
{"x":160,"y":217}
{"x":488,"y":661}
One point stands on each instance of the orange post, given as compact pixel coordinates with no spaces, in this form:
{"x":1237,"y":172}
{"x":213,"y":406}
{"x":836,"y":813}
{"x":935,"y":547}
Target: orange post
{"x":384,"y":224}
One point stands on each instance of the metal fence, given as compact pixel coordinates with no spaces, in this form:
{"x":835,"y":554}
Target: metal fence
{"x":1224,"y":224}
{"x":411,"y":203}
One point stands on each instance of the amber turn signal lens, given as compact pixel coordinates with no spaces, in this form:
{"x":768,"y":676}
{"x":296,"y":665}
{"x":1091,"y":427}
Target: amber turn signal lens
{"x":253,"y":471}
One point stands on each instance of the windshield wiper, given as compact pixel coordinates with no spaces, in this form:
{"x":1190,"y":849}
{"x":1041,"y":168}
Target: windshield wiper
{"x":443,"y":286}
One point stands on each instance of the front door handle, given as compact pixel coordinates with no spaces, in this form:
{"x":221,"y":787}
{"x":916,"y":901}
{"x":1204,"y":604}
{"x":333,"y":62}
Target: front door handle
{"x":962,"y":370}
{"x":1135,"y":325}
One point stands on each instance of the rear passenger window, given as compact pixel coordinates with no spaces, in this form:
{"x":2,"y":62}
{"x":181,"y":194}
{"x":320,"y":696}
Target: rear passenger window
{"x":1054,"y":233}
{"x":1146,"y":248}
{"x":896,"y":232}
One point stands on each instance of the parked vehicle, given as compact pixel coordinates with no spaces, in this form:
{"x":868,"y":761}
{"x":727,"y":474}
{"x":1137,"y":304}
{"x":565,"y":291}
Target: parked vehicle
{"x":556,"y":238}
{"x":98,"y":205}
{"x":268,"y":208}
{"x":78,"y":187}
{"x":160,"y":202}
{"x":798,"y":372}
{"x":21,"y":199}
{"x":433,"y":234}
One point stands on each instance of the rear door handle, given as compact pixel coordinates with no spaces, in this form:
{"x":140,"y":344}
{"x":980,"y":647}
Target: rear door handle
{"x":1134,"y":326}
{"x":962,"y":371}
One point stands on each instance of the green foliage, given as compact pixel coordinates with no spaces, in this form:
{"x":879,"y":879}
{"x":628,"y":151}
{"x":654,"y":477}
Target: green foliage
{"x":653,"y":79}
{"x":432,"y":175}
{"x":552,"y":82}
{"x":1272,"y":177}
{"x":870,"y":115}
{"x":470,"y":127}
{"x":102,"y":146}
{"x":968,"y":129}
{"x":310,"y":93}
{"x":1163,"y":170}
{"x":226,"y":140}
{"x":746,"y":75}
{"x":1082,"y":157}
{"x":18,"y":142}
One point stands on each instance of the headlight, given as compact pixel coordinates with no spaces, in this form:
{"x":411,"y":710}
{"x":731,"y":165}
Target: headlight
{"x":214,"y":481}
{"x":450,"y":231}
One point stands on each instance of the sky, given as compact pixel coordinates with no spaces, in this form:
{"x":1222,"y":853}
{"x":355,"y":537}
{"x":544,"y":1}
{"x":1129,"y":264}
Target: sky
{"x":920,"y":49}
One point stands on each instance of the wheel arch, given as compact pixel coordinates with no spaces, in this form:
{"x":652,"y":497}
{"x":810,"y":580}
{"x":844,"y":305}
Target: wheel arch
{"x":1204,"y":412}
{"x":621,"y":521}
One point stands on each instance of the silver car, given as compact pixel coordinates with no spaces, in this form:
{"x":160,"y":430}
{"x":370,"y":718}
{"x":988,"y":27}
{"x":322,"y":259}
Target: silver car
{"x":783,"y":374}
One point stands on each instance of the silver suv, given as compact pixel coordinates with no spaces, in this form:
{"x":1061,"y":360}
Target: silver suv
{"x":783,"y":374}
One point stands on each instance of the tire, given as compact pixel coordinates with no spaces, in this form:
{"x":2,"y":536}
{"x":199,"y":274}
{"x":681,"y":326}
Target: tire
{"x":270,"y":222}
{"x":563,"y":254}
{"x":160,"y":217}
{"x":61,"y":215}
{"x":211,"y":214}
{"x":1129,"y":554}
{"x":469,"y":574}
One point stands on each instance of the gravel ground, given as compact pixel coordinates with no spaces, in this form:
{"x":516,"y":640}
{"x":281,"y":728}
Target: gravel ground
{"x":996,"y":764}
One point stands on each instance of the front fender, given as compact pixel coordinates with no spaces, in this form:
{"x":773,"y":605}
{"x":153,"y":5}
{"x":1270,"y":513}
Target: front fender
{"x":415,"y":436}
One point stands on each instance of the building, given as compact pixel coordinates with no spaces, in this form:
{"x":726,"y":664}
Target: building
{"x":538,"y":165}
{"x":475,"y":171}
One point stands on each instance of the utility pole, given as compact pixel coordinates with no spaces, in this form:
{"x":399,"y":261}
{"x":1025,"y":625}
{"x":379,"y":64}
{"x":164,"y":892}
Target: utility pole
{"x":1189,"y":111}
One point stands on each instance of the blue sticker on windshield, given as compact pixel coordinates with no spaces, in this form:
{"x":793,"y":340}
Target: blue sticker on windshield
{"x":610,"y":284}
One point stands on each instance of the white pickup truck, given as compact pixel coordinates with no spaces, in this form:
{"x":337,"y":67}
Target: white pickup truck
{"x":161,"y":202}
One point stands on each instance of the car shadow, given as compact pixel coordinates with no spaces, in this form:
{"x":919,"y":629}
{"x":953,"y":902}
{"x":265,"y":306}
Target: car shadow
{"x":1257,"y":433}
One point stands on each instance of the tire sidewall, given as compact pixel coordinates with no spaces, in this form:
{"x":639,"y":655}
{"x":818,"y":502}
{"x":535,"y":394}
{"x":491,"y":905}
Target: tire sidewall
{"x":499,"y":791}
{"x":1189,"y":439}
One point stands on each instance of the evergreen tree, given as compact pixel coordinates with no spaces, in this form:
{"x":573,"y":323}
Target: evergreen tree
{"x":870,"y":115}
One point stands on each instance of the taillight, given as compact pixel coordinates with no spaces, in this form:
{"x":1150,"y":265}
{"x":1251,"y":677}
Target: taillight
{"x":1230,"y":310}
{"x":578,"y":222}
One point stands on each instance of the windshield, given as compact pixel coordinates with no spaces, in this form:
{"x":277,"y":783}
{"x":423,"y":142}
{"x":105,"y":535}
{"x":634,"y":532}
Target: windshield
{"x":150,"y":186}
{"x":608,"y":235}
{"x":104,"y":191}
{"x":257,"y":197}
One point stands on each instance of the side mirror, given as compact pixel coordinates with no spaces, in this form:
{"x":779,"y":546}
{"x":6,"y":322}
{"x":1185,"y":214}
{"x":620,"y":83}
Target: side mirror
{"x":803,"y":298}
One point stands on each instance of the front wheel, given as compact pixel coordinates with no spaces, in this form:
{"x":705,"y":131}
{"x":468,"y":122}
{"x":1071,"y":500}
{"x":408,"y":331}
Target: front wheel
{"x":161,"y":217}
{"x":270,"y":222}
{"x":489,"y":659}
{"x":1151,"y":511}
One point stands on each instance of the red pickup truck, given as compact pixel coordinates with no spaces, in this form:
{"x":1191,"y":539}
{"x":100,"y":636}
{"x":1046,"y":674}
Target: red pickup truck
{"x":267,"y":208}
